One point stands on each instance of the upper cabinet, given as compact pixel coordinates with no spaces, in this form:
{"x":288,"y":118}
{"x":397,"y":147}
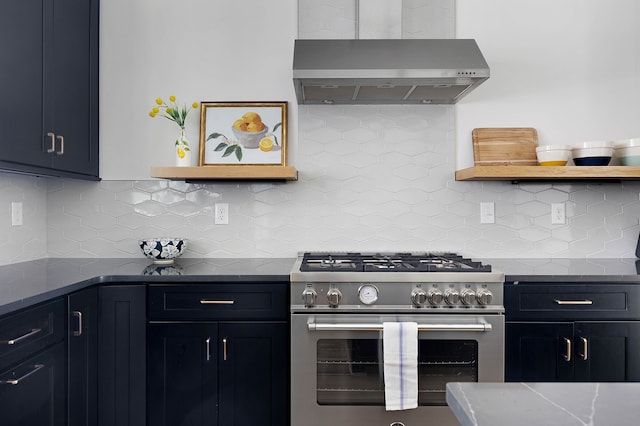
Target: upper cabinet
{"x":49,"y":109}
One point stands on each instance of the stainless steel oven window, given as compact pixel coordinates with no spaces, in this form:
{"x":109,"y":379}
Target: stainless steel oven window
{"x":350,"y":371}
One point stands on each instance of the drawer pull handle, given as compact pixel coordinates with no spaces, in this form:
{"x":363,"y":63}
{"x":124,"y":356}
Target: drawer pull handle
{"x":33,"y":331}
{"x":585,"y":345}
{"x":567,"y":355}
{"x":19,"y":379}
{"x":216,"y":302}
{"x":208,"y":344}
{"x":573,"y":302}
{"x":78,"y":332}
{"x":224,"y":349}
{"x":61,"y":151}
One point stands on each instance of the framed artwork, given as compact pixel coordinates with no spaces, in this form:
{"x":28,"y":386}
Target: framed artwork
{"x":243,"y":133}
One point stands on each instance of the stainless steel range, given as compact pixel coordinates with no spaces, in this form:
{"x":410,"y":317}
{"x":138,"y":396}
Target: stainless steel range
{"x":339,"y":303}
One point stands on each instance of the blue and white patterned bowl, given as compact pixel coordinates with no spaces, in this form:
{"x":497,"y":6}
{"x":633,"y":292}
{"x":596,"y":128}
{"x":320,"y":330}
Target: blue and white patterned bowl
{"x":163,"y":250}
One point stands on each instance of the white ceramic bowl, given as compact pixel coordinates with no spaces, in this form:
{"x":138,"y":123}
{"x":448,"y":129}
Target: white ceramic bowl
{"x":628,"y":151}
{"x":163,"y":251}
{"x":553,"y":155}
{"x":250,"y":139}
{"x":592,"y":153}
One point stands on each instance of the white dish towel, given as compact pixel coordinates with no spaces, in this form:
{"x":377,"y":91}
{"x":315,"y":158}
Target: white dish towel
{"x":400,"y":351}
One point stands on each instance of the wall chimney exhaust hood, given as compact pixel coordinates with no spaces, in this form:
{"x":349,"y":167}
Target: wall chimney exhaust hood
{"x":386,"y":71}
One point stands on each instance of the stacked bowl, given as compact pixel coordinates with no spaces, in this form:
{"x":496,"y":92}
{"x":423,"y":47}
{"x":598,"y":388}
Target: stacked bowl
{"x":628,"y":152}
{"x":592,"y":153}
{"x":553,"y":155}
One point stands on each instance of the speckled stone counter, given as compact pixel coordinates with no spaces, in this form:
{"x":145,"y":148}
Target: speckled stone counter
{"x":568,"y":270}
{"x":545,"y":404}
{"x":27,"y":283}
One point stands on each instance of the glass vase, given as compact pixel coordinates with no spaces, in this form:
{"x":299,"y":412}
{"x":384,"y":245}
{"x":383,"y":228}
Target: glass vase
{"x":182,"y":150}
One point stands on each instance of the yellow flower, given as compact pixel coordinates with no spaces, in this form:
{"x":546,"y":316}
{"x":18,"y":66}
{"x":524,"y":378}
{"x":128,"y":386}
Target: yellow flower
{"x":169,"y":110}
{"x":156,"y":110}
{"x":159,"y":101}
{"x":194,"y":105}
{"x":172,"y":98}
{"x":152,"y":114}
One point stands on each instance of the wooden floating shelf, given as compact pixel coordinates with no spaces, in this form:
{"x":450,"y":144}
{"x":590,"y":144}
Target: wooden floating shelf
{"x":257,"y":172}
{"x":521,"y":173}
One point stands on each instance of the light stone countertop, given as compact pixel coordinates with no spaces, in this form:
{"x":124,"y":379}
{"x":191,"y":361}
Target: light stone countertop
{"x":545,"y":404}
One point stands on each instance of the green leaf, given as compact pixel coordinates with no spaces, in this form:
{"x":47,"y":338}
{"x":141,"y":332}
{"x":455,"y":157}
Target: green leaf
{"x":186,"y":148}
{"x":274,"y":129}
{"x":239,"y":152}
{"x":229,"y":150}
{"x":216,"y":135}
{"x":220,"y":146}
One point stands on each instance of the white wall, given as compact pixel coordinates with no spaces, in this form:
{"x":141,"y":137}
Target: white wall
{"x":371,"y":177}
{"x":569,"y":68}
{"x":197,"y":50}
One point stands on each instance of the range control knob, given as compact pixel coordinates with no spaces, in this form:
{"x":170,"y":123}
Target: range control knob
{"x":451,"y":296}
{"x":418,"y":296}
{"x":468,"y":296}
{"x":309,"y":296}
{"x":334,"y":296}
{"x":484,"y":297}
{"x":435,"y":296}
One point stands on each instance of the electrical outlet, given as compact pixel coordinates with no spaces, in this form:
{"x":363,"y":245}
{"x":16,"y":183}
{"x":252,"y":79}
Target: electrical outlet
{"x":221,"y":214}
{"x":558,"y":216}
{"x":487,"y":213}
{"x":16,"y":214}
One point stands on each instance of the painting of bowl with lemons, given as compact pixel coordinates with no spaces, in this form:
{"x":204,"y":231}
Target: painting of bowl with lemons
{"x":256,"y":134}
{"x":250,"y":130}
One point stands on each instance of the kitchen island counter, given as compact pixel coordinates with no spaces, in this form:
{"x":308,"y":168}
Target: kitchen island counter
{"x":27,"y":283}
{"x":548,"y":404}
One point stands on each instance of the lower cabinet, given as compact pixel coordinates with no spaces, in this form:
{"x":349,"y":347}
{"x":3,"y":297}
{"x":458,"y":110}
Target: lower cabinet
{"x":580,"y":351}
{"x":571,"y":332}
{"x":122,"y":355}
{"x":223,"y":357}
{"x":32,"y":393}
{"x":82,"y":358}
{"x":218,"y":374}
{"x":32,"y":366}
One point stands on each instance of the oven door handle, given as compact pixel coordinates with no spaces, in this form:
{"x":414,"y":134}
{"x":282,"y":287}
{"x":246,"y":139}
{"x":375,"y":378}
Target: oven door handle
{"x":378,"y":327}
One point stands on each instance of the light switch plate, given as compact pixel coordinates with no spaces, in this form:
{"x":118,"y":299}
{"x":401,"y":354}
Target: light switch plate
{"x":16,"y":214}
{"x":487,"y":213}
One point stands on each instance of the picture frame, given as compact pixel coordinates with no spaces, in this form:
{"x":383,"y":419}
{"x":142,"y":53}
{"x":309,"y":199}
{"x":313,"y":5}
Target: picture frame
{"x":250,"y":134}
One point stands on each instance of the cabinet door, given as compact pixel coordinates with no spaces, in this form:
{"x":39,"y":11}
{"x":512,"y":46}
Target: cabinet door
{"x":538,"y":352}
{"x":254,"y":371}
{"x":122,"y":341}
{"x":82,"y":362}
{"x":607,"y":351}
{"x":21,"y":61}
{"x":71,"y":89}
{"x":32,"y":392}
{"x":183,"y":382}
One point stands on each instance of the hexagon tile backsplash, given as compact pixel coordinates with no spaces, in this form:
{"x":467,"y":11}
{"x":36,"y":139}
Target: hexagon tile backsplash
{"x":371,"y":178}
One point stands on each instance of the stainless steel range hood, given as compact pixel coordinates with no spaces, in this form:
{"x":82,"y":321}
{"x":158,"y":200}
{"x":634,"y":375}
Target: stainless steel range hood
{"x":386,"y":71}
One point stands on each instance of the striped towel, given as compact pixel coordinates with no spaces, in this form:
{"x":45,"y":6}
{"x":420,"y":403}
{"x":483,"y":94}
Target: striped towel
{"x":400,"y":350}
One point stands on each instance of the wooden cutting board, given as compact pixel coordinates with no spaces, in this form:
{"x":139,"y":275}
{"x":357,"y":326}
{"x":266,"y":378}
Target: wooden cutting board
{"x":505,"y":146}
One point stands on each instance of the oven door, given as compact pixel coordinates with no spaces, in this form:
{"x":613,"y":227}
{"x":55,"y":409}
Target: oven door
{"x":337,"y":366}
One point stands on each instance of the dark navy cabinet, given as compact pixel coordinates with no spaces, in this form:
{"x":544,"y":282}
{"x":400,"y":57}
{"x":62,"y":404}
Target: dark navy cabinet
{"x":32,"y":366}
{"x":49,"y":86}
{"x":572,"y":332}
{"x":122,"y":355}
{"x":82,"y":358}
{"x":218,"y":354}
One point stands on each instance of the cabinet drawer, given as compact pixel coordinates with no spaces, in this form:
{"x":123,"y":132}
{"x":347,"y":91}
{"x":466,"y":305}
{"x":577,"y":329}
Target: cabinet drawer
{"x":218,"y":301}
{"x":30,"y":330}
{"x":572,"y":301}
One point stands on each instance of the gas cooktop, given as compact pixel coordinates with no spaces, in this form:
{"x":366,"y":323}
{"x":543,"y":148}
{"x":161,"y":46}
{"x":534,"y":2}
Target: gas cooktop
{"x":389,"y":262}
